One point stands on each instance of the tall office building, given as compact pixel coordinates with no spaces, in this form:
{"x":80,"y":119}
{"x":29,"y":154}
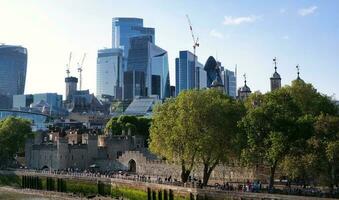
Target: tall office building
{"x":125,"y":28}
{"x":160,"y":83}
{"x":201,"y":76}
{"x":13,"y":66}
{"x":109,"y":73}
{"x":147,"y":69}
{"x":189,"y":74}
{"x":230,"y":82}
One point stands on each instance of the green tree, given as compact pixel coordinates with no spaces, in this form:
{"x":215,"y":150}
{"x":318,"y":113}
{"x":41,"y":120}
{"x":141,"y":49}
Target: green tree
{"x":304,"y":161}
{"x":324,"y":146}
{"x":13,"y":134}
{"x":271,"y":128}
{"x":309,"y":100}
{"x":172,"y":134}
{"x":138,"y":125}
{"x":216,"y":121}
{"x":199,"y":126}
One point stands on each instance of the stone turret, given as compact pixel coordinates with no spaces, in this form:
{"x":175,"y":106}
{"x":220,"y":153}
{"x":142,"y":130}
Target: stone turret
{"x":275,"y":79}
{"x":244,"y":91}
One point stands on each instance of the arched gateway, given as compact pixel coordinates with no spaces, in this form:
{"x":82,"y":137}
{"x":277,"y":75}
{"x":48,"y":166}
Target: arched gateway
{"x":132,"y":166}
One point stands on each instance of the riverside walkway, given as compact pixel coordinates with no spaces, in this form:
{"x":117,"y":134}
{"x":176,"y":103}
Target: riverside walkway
{"x":142,"y":183}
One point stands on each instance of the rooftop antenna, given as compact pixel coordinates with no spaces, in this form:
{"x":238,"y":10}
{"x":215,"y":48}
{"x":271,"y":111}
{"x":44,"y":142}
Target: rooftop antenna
{"x":80,"y":65}
{"x":298,"y":71}
{"x":275,"y":63}
{"x":69,"y":64}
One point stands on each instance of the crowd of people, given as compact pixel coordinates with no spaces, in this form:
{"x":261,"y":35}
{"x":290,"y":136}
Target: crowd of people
{"x":248,"y":186}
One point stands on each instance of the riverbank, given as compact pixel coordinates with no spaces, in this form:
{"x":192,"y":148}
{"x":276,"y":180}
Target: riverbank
{"x":45,"y":194}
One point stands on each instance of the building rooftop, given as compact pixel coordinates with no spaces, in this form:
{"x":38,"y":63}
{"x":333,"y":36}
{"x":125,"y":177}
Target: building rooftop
{"x":141,"y":106}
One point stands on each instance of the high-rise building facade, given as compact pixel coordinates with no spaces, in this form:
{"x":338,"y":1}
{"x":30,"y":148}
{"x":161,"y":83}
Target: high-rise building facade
{"x":160,"y":83}
{"x":201,"y":76}
{"x":125,"y":28}
{"x":109,"y":73}
{"x":184,"y":71}
{"x":13,"y":66}
{"x":189,"y":73}
{"x":147,"y":70}
{"x":230,"y":82}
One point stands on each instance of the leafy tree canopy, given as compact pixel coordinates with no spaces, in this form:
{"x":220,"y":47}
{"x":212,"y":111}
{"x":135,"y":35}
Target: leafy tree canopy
{"x":13,"y":134}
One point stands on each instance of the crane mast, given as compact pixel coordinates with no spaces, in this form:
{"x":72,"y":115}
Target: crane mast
{"x":80,"y":65}
{"x":195,"y":40}
{"x":68,"y":65}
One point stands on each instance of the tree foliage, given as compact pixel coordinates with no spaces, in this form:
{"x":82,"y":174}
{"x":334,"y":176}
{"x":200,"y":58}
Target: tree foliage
{"x":138,"y":125}
{"x":13,"y":134}
{"x":199,"y":126}
{"x":271,"y":127}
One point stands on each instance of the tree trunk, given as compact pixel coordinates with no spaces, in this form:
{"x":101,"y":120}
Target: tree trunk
{"x":272,"y":173}
{"x":207,"y":173}
{"x":184,"y":174}
{"x":332,"y":177}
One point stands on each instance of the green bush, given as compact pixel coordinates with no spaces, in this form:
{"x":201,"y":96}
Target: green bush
{"x":131,"y":194}
{"x":10,"y":180}
{"x":82,"y":187}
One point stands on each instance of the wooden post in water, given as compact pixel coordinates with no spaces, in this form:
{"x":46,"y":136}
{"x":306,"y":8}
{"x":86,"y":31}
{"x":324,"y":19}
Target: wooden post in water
{"x":149,"y":194}
{"x":154,"y":195}
{"x":171,"y":195}
{"x":165,"y":195}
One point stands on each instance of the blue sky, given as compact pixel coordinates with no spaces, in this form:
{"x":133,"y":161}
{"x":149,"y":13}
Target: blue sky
{"x":243,"y":32}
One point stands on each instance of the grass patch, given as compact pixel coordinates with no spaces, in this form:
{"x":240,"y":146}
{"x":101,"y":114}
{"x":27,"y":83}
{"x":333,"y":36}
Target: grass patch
{"x":10,"y":180}
{"x":82,"y":187}
{"x":131,"y":194}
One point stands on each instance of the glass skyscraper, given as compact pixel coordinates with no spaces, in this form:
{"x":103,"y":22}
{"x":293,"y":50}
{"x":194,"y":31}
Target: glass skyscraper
{"x":189,"y":74}
{"x":13,"y":66}
{"x":147,"y":69}
{"x":125,"y":28}
{"x":230,"y":82}
{"x":160,"y":72}
{"x":109,"y":73}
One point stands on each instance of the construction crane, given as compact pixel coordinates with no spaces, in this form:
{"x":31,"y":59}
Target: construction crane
{"x":68,"y":65}
{"x":195,"y":40}
{"x":80,"y":65}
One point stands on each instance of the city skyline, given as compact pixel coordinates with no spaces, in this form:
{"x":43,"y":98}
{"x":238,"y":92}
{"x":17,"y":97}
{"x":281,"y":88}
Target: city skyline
{"x":247,"y":34}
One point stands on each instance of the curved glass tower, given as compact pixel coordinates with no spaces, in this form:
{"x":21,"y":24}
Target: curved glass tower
{"x":13,"y":66}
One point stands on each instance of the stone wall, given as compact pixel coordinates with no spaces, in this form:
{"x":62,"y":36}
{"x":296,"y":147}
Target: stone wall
{"x":163,"y":169}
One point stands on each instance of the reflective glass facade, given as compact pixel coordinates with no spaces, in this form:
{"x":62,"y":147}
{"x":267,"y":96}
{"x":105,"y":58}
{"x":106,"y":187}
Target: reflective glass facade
{"x":52,"y":99}
{"x":150,"y":61}
{"x":39,"y":121}
{"x":188,"y":75}
{"x":230,"y":83}
{"x":125,"y":28}
{"x":160,"y":72}
{"x":13,"y":65}
{"x":109,"y":73}
{"x":22,"y":100}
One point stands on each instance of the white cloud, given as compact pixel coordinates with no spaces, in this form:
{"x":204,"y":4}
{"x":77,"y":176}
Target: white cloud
{"x":229,"y":20}
{"x":285,"y":37}
{"x":216,"y":34}
{"x":282,"y":11}
{"x":307,"y":11}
